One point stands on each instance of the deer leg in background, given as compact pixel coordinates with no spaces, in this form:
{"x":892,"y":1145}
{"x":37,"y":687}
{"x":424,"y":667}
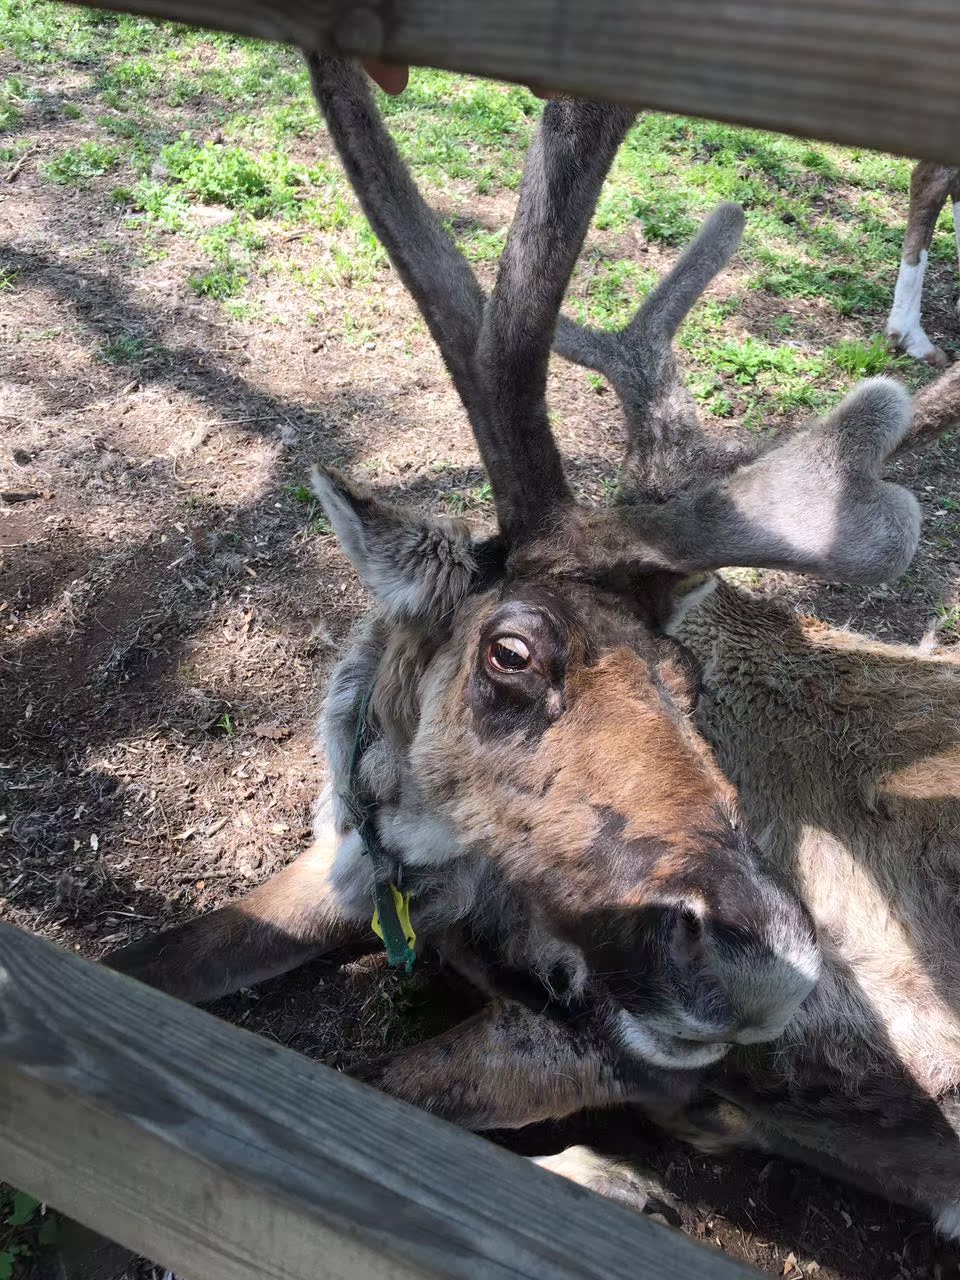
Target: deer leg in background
{"x":293,"y":917}
{"x":507,"y":1067}
{"x":955,"y":202}
{"x":930,"y":184}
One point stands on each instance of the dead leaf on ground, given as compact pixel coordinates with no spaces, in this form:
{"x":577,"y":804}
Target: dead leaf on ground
{"x":274,"y":731}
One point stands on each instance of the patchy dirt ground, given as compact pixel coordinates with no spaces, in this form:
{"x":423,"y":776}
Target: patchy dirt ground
{"x":171,"y":605}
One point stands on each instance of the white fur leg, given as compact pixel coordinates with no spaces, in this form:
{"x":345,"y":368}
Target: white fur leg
{"x":956,"y":227}
{"x":903,"y":325}
{"x":617,"y":1181}
{"x":948,"y":1222}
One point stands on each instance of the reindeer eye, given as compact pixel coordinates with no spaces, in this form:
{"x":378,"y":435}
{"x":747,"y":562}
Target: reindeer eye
{"x":508,"y":654}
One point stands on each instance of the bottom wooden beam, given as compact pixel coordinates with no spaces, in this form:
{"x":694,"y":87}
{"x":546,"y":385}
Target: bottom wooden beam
{"x":224,"y":1157}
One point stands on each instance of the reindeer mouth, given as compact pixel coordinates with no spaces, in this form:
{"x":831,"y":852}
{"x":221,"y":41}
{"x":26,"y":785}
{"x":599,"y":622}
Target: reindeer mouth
{"x":667,"y":1049}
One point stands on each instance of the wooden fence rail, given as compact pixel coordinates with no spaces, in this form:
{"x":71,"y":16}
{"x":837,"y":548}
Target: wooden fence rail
{"x":874,"y":73}
{"x":218,"y":1154}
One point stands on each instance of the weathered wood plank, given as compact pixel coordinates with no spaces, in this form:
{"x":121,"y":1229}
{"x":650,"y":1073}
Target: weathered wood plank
{"x":220,"y":1155}
{"x":874,"y":73}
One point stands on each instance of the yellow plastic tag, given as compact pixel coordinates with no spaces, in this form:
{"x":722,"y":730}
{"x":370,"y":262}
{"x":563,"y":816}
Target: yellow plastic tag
{"x":402,"y":903}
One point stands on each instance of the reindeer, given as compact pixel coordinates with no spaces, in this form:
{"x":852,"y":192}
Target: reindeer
{"x":930,"y":186}
{"x":515,"y":755}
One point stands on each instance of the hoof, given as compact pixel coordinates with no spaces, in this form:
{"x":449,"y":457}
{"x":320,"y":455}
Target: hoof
{"x":936,"y":358}
{"x":617,"y":1180}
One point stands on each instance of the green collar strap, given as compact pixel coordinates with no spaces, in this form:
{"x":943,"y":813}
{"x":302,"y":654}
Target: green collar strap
{"x":391,"y":916}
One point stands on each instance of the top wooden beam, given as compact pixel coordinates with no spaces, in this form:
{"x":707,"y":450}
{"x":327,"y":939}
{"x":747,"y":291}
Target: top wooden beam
{"x":872,"y":73}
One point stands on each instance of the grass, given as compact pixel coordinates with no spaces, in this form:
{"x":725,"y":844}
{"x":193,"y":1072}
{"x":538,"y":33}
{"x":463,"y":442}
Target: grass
{"x":76,"y":166}
{"x":126,"y":348}
{"x":26,"y":1231}
{"x":460,"y":502}
{"x":949,"y":615}
{"x":317,"y":523}
{"x":189,"y":124}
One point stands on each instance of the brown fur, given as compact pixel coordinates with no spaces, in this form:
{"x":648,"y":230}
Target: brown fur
{"x":930,"y":185}
{"x":936,"y":409}
{"x":847,"y":753}
{"x":559,"y":823}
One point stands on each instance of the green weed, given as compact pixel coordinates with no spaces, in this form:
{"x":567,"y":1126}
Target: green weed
{"x":949,"y":615}
{"x":317,"y":524}
{"x":127,"y":348}
{"x":748,"y":360}
{"x":163,"y":204}
{"x":225,"y":281}
{"x":212,"y":173}
{"x":860,"y":358}
{"x":233,"y":248}
{"x":461,"y":502}
{"x":25,"y":1230}
{"x":14,"y":95}
{"x":76,"y":166}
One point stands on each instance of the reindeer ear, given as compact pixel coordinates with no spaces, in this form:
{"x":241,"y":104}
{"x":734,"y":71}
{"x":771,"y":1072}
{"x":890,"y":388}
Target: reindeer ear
{"x":417,"y":567}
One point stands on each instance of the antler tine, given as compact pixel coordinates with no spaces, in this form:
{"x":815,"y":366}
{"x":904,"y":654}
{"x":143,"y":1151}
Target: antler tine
{"x":565,"y":168}
{"x":429,"y":263}
{"x":667,"y":449}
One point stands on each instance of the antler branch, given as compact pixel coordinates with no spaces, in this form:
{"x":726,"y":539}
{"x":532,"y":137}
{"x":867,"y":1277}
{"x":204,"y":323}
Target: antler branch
{"x":667,"y":449}
{"x":426,"y":258}
{"x":497,"y":354}
{"x":565,"y":168}
{"x":815,"y":503}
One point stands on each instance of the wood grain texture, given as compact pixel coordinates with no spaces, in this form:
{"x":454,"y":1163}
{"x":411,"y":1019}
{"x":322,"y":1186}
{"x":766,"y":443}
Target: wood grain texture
{"x":225,"y":1157}
{"x":874,"y":73}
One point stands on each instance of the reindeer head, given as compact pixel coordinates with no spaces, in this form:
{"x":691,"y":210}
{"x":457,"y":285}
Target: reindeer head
{"x":543,"y":708}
